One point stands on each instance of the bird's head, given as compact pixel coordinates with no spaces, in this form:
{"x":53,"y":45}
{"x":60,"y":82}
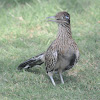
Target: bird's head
{"x":61,"y":17}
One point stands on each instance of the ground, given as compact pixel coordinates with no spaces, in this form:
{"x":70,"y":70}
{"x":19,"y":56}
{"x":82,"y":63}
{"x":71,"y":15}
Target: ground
{"x":24,"y":33}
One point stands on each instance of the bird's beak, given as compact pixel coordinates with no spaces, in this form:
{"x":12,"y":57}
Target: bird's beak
{"x":52,"y":17}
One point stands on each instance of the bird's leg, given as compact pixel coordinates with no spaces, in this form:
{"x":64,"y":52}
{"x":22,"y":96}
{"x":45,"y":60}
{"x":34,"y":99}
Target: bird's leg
{"x":51,"y":77}
{"x":62,"y":81}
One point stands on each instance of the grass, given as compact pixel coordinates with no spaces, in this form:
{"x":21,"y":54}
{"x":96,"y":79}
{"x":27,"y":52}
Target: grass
{"x":24,"y":33}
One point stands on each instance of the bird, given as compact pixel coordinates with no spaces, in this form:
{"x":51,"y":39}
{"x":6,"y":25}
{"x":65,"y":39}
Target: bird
{"x":62,"y":54}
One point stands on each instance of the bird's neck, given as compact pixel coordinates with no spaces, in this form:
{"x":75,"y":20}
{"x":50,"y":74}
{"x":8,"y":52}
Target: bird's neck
{"x":64,"y":31}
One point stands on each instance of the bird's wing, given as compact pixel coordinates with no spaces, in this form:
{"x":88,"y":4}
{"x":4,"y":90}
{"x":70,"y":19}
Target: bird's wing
{"x":51,"y":60}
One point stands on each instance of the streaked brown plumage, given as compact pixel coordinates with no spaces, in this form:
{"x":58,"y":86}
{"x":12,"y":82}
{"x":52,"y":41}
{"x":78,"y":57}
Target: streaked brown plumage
{"x":62,"y":54}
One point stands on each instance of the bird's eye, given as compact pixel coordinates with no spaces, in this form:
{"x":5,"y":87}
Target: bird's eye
{"x":67,"y":17}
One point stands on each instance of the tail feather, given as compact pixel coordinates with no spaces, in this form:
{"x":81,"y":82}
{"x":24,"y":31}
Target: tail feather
{"x":37,"y":60}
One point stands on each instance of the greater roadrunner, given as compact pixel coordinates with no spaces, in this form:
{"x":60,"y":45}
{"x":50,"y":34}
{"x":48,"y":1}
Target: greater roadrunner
{"x":63,"y":52}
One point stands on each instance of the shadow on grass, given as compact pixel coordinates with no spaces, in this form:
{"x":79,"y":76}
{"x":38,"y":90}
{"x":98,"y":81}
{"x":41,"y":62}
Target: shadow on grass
{"x":13,"y":3}
{"x":36,"y":70}
{"x":75,"y":6}
{"x":68,"y":79}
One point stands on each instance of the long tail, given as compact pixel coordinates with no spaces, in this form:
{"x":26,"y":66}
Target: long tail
{"x":37,"y":60}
